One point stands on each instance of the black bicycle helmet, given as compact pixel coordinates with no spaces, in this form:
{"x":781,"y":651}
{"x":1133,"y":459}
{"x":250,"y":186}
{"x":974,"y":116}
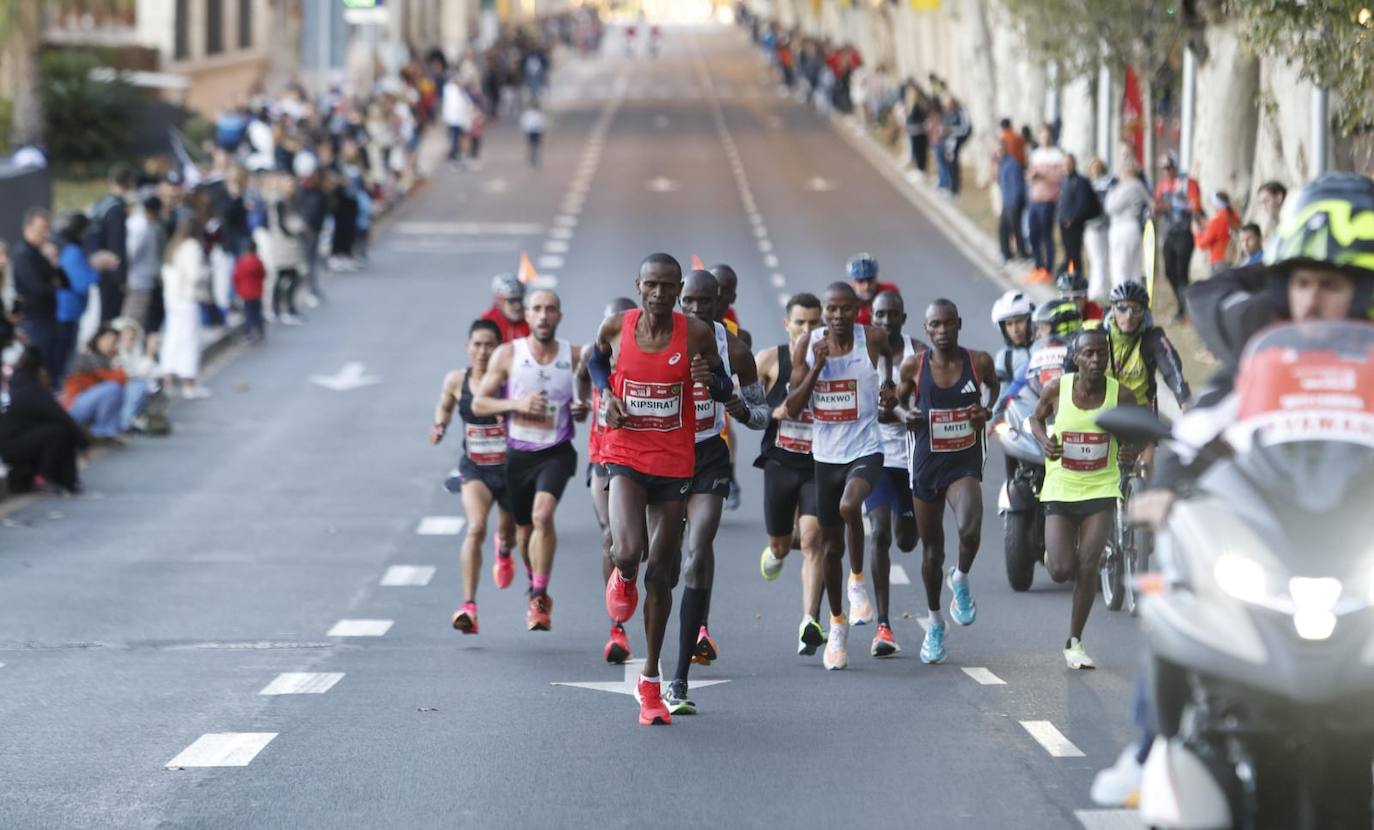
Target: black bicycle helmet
{"x":1131,"y":292}
{"x":1328,"y":223}
{"x":1063,"y":317}
{"x":1069,"y":282}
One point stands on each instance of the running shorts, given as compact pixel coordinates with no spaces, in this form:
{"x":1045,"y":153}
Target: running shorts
{"x":832,"y":478}
{"x":542,"y":471}
{"x":657,"y":488}
{"x":594,"y":471}
{"x":892,"y":490}
{"x":931,"y":488}
{"x":711,"y":474}
{"x":787,"y":491}
{"x":1079,"y":509}
{"x":494,"y":476}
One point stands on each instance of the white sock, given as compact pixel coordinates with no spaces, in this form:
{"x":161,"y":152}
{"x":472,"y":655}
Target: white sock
{"x":647,"y":679}
{"x":958,"y":576}
{"x":936,"y":618}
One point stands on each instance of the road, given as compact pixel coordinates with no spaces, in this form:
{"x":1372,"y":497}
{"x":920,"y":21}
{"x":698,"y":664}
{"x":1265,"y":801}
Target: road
{"x":156,"y":609}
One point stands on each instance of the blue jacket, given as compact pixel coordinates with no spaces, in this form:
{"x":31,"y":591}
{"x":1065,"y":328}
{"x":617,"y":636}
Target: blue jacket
{"x":71,"y":301}
{"x":1011,"y":179}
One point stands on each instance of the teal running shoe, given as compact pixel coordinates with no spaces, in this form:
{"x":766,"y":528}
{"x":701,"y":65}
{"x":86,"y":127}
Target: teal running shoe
{"x":933,"y":649}
{"x":961,"y":608}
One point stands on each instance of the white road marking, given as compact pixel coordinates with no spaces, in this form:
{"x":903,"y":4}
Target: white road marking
{"x":897,"y":576}
{"x":550,"y":261}
{"x":360,"y":628}
{"x":770,"y":260}
{"x":819,"y":184}
{"x":302,"y":683}
{"x":661,"y":184}
{"x":418,"y":228}
{"x":983,"y":676}
{"x":782,"y":300}
{"x":441,"y":526}
{"x":778,"y":280}
{"x":755,"y":218}
{"x":556,"y":246}
{"x":398,"y":576}
{"x":544,"y":281}
{"x":765,"y":246}
{"x":572,"y":204}
{"x":223,"y":749}
{"x":497,"y":185}
{"x":760,"y":231}
{"x":627,"y":685}
{"x":565,"y":221}
{"x":1109,"y":819}
{"x":561,"y":233}
{"x":1051,"y":739}
{"x":352,"y":375}
{"x":453,"y":245}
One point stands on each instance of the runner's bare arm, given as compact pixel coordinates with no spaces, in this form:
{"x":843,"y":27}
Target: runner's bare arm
{"x":603,"y":351}
{"x":749,"y":407}
{"x":802,"y":385}
{"x":580,"y":404}
{"x":487,"y":398}
{"x":766,"y":361}
{"x":1045,"y":409}
{"x":987,"y":373}
{"x":448,"y":399}
{"x":706,"y":366}
{"x":584,"y":377}
{"x":747,"y":338}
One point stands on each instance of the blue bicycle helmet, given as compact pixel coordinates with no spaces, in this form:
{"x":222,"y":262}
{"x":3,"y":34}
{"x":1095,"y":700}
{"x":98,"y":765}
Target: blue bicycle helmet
{"x":863,"y":267}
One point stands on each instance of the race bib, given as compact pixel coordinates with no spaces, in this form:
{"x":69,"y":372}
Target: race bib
{"x":539,"y":429}
{"x":795,"y":436}
{"x":951,"y":430}
{"x":1085,"y":452}
{"x":705,"y":411}
{"x":486,"y":444}
{"x":1048,"y":363}
{"x":655,"y":407}
{"x":836,"y":401}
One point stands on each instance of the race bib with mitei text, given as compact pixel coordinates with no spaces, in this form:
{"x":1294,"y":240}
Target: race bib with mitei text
{"x":951,"y":430}
{"x":652,"y":406}
{"x":836,"y":401}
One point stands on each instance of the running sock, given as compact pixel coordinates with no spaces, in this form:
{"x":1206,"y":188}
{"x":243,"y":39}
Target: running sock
{"x":936,"y":617}
{"x":690,"y":615}
{"x":883,"y":621}
{"x":839,"y":619}
{"x":958,"y":576}
{"x":853,"y":577}
{"x":539,"y":584}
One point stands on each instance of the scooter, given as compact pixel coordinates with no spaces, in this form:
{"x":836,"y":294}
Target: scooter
{"x":1260,"y":622}
{"x":1023,"y":517}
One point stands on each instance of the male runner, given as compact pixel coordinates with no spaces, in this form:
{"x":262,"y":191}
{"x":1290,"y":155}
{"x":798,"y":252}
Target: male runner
{"x":537,"y":375}
{"x":889,"y":508}
{"x":617,"y":648}
{"x":710,"y":481}
{"x":1082,"y":476}
{"x":481,"y":470}
{"x":850,"y":367}
{"x":649,"y":449}
{"x":789,"y":473}
{"x":948,"y":447}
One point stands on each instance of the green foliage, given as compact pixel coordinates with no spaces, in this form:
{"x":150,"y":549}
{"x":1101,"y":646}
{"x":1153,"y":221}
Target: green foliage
{"x":6,"y":122}
{"x":1078,"y":35}
{"x":88,"y":122}
{"x":1330,"y":41}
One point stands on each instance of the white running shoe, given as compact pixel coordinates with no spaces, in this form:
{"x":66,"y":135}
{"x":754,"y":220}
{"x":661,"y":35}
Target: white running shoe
{"x":770,"y":566}
{"x":1119,"y":784}
{"x":1076,"y":657}
{"x":860,"y":610}
{"x":836,"y":647}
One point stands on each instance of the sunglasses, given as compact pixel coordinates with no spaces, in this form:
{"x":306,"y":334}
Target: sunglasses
{"x":1129,"y":308}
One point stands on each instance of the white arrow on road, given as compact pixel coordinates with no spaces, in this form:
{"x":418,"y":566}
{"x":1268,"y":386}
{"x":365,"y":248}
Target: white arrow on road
{"x":352,"y":376}
{"x":820,"y":185}
{"x":662,"y":184}
{"x":627,"y":686}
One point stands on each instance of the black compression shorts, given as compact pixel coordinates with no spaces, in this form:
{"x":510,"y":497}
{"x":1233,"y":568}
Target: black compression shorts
{"x":542,"y":471}
{"x":657,"y":488}
{"x":711,"y":473}
{"x":787,"y":490}
{"x":831,"y":479}
{"x":493,"y":476}
{"x":1079,"y":509}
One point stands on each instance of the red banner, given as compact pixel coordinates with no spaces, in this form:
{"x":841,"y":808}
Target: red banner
{"x":1133,"y":117}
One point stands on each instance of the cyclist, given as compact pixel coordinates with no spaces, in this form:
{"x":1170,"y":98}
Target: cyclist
{"x":863,"y":276}
{"x":1074,"y":286}
{"x":1055,"y":325}
{"x":1012,"y":316}
{"x":1140,"y":348}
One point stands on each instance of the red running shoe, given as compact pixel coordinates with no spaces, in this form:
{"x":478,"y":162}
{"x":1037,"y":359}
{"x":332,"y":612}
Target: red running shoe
{"x":706,"y":648}
{"x":503,"y":570}
{"x":538,"y":617}
{"x":465,"y":618}
{"x":652,"y":710}
{"x":622,"y":597}
{"x":618,"y":647}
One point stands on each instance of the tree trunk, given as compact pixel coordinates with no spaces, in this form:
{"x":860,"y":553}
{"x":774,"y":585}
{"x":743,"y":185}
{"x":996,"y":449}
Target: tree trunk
{"x":1226,"y":114}
{"x":22,"y":54}
{"x":1079,"y":117}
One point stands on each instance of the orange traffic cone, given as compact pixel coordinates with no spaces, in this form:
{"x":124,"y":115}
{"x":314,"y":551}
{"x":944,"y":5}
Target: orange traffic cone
{"x":526,"y":273}
{"x":696,"y":263}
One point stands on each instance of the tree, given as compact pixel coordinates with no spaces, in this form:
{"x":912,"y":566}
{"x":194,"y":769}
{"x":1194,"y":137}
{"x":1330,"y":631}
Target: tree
{"x":21,"y":36}
{"x":1078,"y":36}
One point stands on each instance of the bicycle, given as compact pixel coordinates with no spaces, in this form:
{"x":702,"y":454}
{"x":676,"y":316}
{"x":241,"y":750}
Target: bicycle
{"x":1127,"y":554}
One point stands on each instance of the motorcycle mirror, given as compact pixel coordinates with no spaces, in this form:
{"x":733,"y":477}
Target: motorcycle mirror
{"x":1134,"y":425}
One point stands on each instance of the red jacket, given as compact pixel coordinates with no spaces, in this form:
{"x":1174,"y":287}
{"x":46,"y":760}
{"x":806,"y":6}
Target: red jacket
{"x":1216,"y":235}
{"x":865,"y":315}
{"x":509,"y":331}
{"x":249,"y":276}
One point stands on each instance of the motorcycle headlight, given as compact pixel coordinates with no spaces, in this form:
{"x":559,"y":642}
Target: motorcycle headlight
{"x":1002,"y":429}
{"x":1314,"y":602}
{"x":1242,"y":578}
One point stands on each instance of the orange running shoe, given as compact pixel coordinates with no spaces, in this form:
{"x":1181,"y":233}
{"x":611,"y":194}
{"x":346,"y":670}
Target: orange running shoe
{"x":465,"y":618}
{"x":617,"y":649}
{"x":538,"y":617}
{"x":622,"y":597}
{"x":706,"y":648}
{"x":652,"y":710}
{"x":884,"y":644}
{"x":503,"y":570}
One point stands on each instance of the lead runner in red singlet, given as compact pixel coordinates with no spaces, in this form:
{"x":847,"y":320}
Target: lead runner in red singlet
{"x":649,"y":448}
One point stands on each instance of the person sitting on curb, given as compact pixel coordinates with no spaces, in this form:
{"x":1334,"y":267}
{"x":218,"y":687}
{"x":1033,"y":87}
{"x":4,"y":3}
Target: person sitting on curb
{"x":39,"y":440}
{"x":94,"y":389}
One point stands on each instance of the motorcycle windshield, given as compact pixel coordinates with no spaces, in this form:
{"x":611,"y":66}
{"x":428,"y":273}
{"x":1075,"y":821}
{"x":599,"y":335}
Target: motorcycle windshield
{"x":1304,"y":432}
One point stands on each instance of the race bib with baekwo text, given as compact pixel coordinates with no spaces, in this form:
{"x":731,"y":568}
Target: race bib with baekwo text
{"x":836,"y":401}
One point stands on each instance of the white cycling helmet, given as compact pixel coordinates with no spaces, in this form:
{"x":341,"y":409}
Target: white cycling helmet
{"x":1009,"y":305}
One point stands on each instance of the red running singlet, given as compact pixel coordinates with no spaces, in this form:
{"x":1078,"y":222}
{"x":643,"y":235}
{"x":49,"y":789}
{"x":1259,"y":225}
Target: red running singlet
{"x":658,"y":437}
{"x":598,"y":427}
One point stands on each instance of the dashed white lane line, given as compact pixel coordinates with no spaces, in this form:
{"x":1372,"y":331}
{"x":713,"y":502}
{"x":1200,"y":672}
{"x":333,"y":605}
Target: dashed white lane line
{"x":565,"y":221}
{"x":398,"y":576}
{"x":223,"y":749}
{"x":896,"y":575}
{"x":760,"y":231}
{"x":984,"y":677}
{"x":770,"y":260}
{"x":360,"y":628}
{"x":1109,"y":819}
{"x":1051,"y":739}
{"x":782,"y":300}
{"x":544,"y":281}
{"x":550,"y":261}
{"x":302,"y":683}
{"x":556,"y":246}
{"x":765,"y":246}
{"x":441,"y":526}
{"x":778,"y":280}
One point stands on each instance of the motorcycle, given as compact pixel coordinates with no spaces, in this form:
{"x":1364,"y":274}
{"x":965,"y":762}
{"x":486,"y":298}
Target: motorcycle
{"x":1023,"y":518}
{"x":1260,"y":623}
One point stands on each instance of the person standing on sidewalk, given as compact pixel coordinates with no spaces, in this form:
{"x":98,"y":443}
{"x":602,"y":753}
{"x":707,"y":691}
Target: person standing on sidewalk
{"x":146,"y":240}
{"x":1177,"y":201}
{"x":917,"y":111}
{"x":36,"y":281}
{"x":1214,"y":237}
{"x":1095,"y":236}
{"x":1011,"y":181}
{"x":285,"y":230}
{"x":249,"y":277}
{"x":185,"y":275}
{"x":532,"y":124}
{"x":1047,"y":168}
{"x":109,"y":233}
{"x":1078,"y":205}
{"x":955,"y":129}
{"x":313,"y":203}
{"x":457,"y":113}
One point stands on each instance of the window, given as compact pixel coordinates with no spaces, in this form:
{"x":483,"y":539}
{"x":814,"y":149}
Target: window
{"x":214,"y":27}
{"x":245,"y":24}
{"x":182,"y":47}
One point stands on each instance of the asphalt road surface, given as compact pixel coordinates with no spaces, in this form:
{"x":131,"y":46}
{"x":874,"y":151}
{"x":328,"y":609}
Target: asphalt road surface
{"x":141,"y":624}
